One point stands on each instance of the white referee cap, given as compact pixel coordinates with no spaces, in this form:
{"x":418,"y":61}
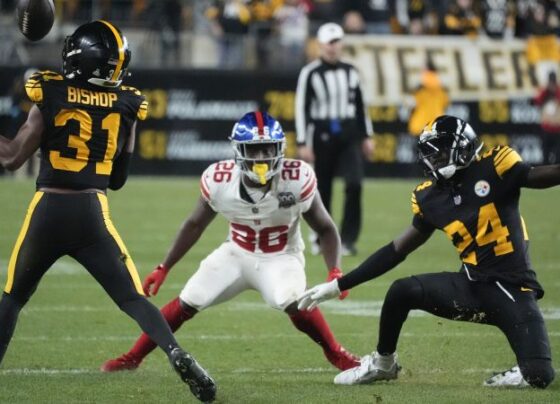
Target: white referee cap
{"x":329,"y":32}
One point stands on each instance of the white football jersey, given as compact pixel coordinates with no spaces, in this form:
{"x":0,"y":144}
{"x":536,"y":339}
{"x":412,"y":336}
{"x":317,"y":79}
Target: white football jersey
{"x":271,"y":224}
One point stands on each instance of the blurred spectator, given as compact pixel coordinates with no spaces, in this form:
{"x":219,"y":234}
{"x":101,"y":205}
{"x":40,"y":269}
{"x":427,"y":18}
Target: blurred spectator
{"x":321,"y":11}
{"x":230,"y":23}
{"x":167,"y":21}
{"x":262,"y":12}
{"x":548,"y":98}
{"x":414,"y":17}
{"x":543,"y":52}
{"x":461,"y":18}
{"x":292,"y":28}
{"x":353,"y":23}
{"x":522,"y":10}
{"x":498,"y":18}
{"x":430,"y":100}
{"x":376,"y":14}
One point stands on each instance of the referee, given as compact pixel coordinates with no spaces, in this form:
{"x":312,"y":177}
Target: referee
{"x":334,"y":129}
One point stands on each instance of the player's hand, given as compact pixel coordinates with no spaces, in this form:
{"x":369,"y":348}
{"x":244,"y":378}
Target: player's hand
{"x":317,"y":294}
{"x":368,"y":146}
{"x":155,"y":280}
{"x":336,"y":273}
{"x":306,"y":154}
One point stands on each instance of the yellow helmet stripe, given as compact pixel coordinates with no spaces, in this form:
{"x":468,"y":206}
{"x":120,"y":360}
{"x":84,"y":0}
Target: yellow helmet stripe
{"x":120,"y":44}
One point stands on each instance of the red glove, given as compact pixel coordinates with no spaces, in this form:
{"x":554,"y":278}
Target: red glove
{"x":155,"y":279}
{"x":336,"y":273}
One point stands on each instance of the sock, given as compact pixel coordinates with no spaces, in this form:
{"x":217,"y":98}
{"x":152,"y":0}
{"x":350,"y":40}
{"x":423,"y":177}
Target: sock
{"x":9,"y":311}
{"x":175,"y":316}
{"x":314,"y":325}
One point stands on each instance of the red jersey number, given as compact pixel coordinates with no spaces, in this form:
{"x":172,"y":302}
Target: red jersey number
{"x":270,"y":239}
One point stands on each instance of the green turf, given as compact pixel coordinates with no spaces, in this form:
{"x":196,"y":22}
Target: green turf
{"x":70,"y":327}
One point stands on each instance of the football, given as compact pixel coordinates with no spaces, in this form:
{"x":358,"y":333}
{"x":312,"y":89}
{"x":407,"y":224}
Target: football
{"x":35,"y":18}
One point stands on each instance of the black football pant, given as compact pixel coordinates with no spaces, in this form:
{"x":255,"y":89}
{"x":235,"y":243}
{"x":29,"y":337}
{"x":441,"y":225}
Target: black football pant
{"x":77,"y":225}
{"x":341,"y":154}
{"x":451,"y":295}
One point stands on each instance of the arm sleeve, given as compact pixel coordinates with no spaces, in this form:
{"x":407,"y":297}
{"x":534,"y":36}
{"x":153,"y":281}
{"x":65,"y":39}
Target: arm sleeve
{"x":377,"y":264}
{"x":510,"y":167}
{"x":119,"y":173}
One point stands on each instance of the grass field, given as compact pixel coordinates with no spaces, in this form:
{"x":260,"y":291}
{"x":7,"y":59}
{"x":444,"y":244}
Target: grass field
{"x":70,"y":326}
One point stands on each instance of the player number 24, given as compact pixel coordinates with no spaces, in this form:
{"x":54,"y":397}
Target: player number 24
{"x":489,"y":230}
{"x":110,"y":123}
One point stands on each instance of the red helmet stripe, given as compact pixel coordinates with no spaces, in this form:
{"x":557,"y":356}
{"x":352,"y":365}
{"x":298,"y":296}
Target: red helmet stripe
{"x":260,"y":123}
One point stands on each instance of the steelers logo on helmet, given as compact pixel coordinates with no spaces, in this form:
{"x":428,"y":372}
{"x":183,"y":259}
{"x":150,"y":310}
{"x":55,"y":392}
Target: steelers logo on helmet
{"x":259,"y":142}
{"x":98,"y":53}
{"x":446,"y":145}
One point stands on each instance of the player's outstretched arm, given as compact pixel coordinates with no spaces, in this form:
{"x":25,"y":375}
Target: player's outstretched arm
{"x":376,"y":265}
{"x":188,"y":235}
{"x":543,"y":177}
{"x":121,"y":166}
{"x":13,"y":153}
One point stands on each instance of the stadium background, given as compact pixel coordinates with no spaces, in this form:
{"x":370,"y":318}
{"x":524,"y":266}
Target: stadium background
{"x":196,"y":95}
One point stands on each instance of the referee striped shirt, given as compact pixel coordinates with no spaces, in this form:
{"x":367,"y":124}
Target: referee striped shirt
{"x":327,"y":92}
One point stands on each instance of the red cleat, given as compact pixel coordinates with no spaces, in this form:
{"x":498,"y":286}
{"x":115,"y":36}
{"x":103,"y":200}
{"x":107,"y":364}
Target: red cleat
{"x":123,"y":362}
{"x":342,"y":359}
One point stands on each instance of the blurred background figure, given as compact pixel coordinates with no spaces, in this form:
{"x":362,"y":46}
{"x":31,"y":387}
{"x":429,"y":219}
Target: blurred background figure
{"x":430,"y":100}
{"x":334,"y":130}
{"x":498,"y":18}
{"x":291,"y":25}
{"x":461,"y":18}
{"x":414,"y":17}
{"x":543,"y":52}
{"x":376,"y":14}
{"x":230,"y":25}
{"x":548,"y":98}
{"x":262,"y":12}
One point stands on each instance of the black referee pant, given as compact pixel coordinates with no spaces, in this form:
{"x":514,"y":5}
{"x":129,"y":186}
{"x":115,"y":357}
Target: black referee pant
{"x":340,"y":153}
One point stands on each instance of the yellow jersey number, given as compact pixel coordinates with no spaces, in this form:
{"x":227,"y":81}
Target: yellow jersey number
{"x":110,"y":123}
{"x":489,"y":230}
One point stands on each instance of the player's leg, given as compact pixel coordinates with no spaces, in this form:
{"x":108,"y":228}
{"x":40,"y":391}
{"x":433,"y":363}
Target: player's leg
{"x":351,"y":162}
{"x":31,"y":257}
{"x":446,"y":295}
{"x":213,"y":283}
{"x":109,"y":262}
{"x":280,"y":280}
{"x":519,"y":318}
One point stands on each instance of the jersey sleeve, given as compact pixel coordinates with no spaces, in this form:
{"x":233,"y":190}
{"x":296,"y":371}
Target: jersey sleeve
{"x":509,"y":165}
{"x":418,"y":220}
{"x":35,"y":85}
{"x":308,"y":187}
{"x":140,"y":101}
{"x":207,"y":188}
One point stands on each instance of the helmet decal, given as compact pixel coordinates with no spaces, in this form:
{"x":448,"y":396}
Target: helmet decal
{"x":120,"y":45}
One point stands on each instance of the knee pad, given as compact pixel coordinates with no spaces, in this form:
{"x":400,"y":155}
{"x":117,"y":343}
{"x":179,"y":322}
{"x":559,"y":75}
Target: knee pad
{"x":537,"y":372}
{"x":405,"y":290}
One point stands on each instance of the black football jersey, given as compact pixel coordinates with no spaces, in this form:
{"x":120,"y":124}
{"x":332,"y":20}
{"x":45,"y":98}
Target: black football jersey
{"x":86,"y":127}
{"x":480,"y":214}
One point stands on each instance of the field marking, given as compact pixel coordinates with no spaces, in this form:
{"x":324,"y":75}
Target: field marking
{"x":252,"y":337}
{"x":91,"y":371}
{"x":357,"y":308}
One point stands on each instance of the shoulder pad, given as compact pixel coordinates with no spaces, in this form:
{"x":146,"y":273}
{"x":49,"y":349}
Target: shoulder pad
{"x":215,"y":175}
{"x":416,"y":194}
{"x":299,"y":178}
{"x":34,"y":85}
{"x":142,"y":113}
{"x":504,"y":158}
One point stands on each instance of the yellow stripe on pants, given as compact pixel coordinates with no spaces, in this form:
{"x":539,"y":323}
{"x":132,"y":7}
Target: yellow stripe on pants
{"x":22,"y":233}
{"x":113,"y":231}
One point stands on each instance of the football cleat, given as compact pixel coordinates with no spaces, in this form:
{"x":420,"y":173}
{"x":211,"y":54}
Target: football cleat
{"x":348,"y":250}
{"x":374,"y":367}
{"x":509,"y":378}
{"x":342,"y":359}
{"x":201,"y":384}
{"x":123,"y":362}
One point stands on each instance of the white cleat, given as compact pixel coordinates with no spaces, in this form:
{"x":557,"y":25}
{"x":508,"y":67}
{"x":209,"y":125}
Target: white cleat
{"x":509,"y":378}
{"x":372,"y":368}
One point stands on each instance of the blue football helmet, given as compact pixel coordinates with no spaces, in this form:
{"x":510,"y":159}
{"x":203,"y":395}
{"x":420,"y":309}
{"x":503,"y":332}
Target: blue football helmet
{"x":447,"y":144}
{"x":259,"y":142}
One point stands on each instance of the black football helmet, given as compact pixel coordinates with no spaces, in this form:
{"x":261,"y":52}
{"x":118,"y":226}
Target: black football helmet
{"x":447,"y":144}
{"x":98,"y":53}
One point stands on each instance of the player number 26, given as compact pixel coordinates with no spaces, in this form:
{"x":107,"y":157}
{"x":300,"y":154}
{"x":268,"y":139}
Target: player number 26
{"x":269,"y":240}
